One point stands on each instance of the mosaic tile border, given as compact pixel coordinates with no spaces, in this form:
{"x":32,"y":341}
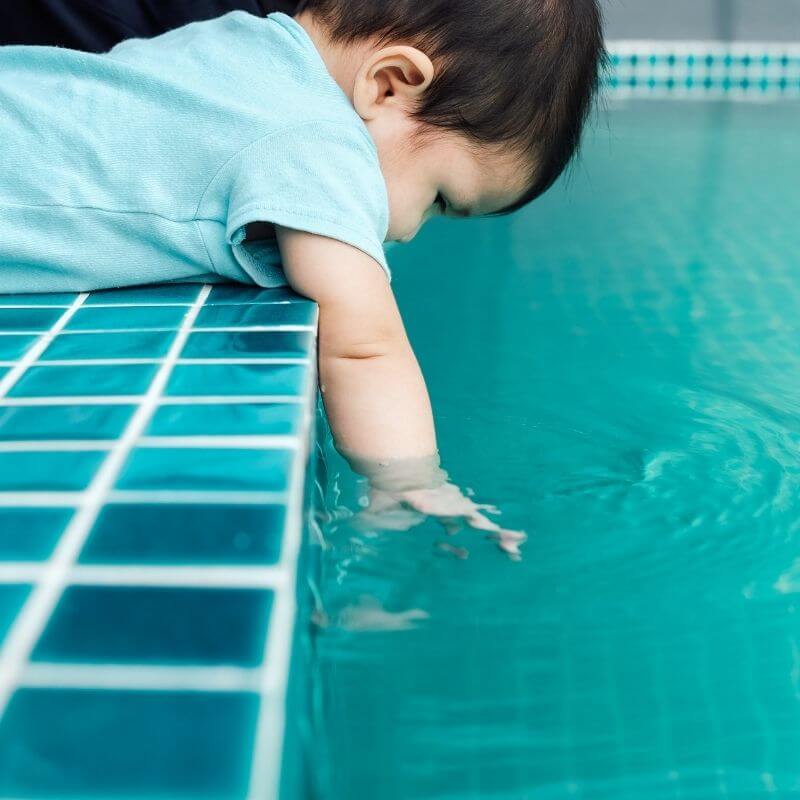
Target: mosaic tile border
{"x":687,"y":70}
{"x":84,"y":466}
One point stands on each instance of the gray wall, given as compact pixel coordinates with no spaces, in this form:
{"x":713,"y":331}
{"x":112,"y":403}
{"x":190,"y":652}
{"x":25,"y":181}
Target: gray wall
{"x":770,"y":20}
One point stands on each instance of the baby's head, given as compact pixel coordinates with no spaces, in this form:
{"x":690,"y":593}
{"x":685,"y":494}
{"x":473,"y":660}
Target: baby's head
{"x":475,"y":106}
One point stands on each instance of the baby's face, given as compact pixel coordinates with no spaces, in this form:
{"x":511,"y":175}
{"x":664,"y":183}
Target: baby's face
{"x":441,"y":173}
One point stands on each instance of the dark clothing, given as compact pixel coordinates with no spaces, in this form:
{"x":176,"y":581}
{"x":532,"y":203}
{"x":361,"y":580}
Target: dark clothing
{"x":97,"y":25}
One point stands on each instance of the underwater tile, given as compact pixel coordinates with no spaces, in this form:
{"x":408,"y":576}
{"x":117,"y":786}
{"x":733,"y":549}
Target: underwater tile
{"x":229,"y":419}
{"x":30,"y":534}
{"x":63,"y":422}
{"x":48,"y":471}
{"x":84,"y":381}
{"x":237,"y":379}
{"x":272,"y":344}
{"x":242,"y":316}
{"x":29,"y":319}
{"x":236,"y":293}
{"x":220,"y":469}
{"x":44,"y":300}
{"x":149,"y":344}
{"x":157,"y":625}
{"x":94,"y":318}
{"x":185,"y":534}
{"x":13,"y":346}
{"x":12,"y":596}
{"x":98,"y":744}
{"x":177,"y":293}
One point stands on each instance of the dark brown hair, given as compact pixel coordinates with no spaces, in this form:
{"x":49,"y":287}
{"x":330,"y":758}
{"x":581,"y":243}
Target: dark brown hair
{"x":521,"y":73}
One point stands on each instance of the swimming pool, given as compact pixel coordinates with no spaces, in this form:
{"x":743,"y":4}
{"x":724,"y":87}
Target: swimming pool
{"x":618,"y":368}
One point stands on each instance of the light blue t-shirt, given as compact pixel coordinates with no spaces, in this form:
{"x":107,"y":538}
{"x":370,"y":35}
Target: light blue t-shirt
{"x":147,"y":163}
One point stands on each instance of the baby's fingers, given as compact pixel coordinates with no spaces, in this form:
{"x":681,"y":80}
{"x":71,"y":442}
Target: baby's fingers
{"x":509,"y":542}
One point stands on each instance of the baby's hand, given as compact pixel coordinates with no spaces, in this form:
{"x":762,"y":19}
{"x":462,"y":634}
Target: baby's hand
{"x":452,"y":508}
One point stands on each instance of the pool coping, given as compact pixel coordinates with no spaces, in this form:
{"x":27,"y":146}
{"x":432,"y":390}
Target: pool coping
{"x":49,"y":578}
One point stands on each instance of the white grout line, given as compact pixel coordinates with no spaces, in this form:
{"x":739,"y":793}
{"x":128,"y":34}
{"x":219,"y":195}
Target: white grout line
{"x":272,"y":328}
{"x":708,"y":47}
{"x":244,"y":442}
{"x":116,"y":362}
{"x":137,"y":677}
{"x":200,"y":577}
{"x":29,"y":623}
{"x":198,"y":497}
{"x":173,"y":576}
{"x":135,"y":399}
{"x":35,"y":499}
{"x":11,"y":377}
{"x":144,"y":497}
{"x":55,"y":445}
{"x":269,"y":744}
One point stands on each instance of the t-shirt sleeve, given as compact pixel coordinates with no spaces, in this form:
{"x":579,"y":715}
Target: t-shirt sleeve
{"x":323,"y":178}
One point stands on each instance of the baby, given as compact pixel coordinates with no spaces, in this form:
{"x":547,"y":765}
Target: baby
{"x":289,"y":150}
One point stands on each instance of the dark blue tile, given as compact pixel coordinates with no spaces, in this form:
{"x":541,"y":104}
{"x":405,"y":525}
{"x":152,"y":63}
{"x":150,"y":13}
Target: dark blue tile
{"x":157,"y":625}
{"x":37,"y":299}
{"x":94,"y":318}
{"x":230,"y":419}
{"x":219,"y":469}
{"x":177,"y":293}
{"x":254,"y":344}
{"x":81,"y":744}
{"x":29,"y":319}
{"x":84,"y":381}
{"x":12,"y":596}
{"x":238,"y":379}
{"x":236,"y":293}
{"x":48,"y":471}
{"x":30,"y":534}
{"x":63,"y":422}
{"x":242,"y":316}
{"x":185,"y":534}
{"x":12,"y":347}
{"x":149,"y":344}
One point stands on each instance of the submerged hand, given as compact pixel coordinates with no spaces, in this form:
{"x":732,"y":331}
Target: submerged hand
{"x":452,"y":508}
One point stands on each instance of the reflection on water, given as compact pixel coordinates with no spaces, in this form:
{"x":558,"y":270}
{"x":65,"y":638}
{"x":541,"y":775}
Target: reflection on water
{"x":618,"y":370}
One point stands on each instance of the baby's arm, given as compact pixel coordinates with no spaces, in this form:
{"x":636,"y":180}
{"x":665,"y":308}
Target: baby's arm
{"x":372,"y":386}
{"x":374,"y":392}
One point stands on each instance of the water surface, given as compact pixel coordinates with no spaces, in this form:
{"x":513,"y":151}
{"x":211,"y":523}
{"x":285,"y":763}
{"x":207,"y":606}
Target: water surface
{"x":618,"y":369}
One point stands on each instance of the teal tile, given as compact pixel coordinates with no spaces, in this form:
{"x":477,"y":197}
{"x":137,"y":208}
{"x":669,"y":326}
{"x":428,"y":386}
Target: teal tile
{"x":220,"y":469}
{"x":177,"y":293}
{"x":185,"y":534}
{"x":37,"y":299}
{"x":98,"y":318}
{"x":148,"y":344}
{"x":30,"y":534}
{"x":242,"y":316}
{"x":29,"y":319}
{"x":254,"y":344}
{"x":84,"y":381}
{"x":230,"y":419}
{"x":238,"y":379}
{"x":63,"y":422}
{"x":13,"y":346}
{"x":12,"y":596}
{"x":94,"y":744}
{"x":236,"y":293}
{"x":157,"y":625}
{"x":48,"y":471}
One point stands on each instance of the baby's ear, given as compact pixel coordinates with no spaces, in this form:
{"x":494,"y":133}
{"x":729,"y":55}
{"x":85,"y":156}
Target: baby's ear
{"x":398,"y":75}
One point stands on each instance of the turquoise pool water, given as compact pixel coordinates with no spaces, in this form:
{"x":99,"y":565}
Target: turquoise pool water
{"x":618,"y":368}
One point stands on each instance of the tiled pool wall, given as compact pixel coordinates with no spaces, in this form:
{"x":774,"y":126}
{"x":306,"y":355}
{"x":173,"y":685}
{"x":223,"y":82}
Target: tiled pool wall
{"x":154,"y":478}
{"x":699,"y":70}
